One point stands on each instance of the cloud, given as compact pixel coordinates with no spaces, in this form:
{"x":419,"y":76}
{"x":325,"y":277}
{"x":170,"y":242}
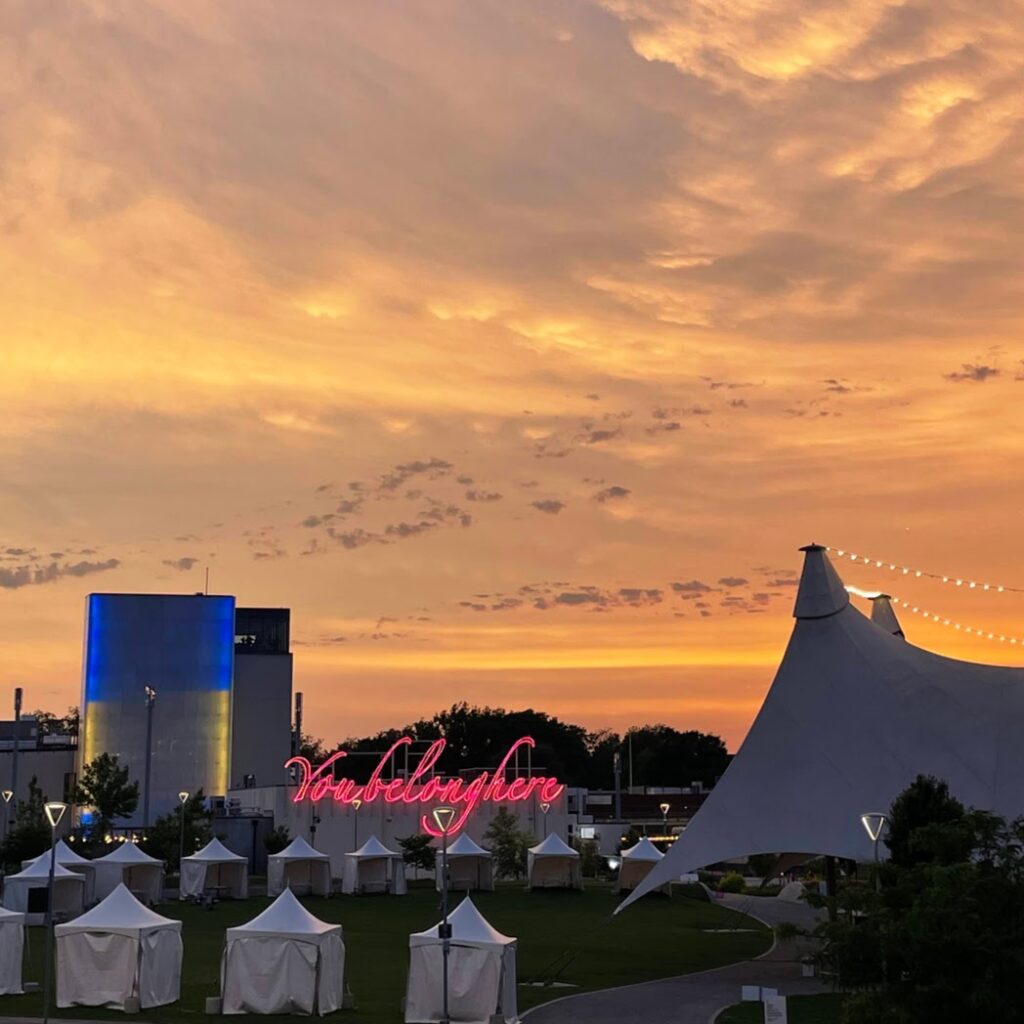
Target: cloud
{"x":26,"y":576}
{"x":432,"y":468}
{"x":487,"y":496}
{"x":612,"y":493}
{"x":733,"y":581}
{"x":691,"y":587}
{"x":552,"y":506}
{"x":977,"y":372}
{"x":182,"y":564}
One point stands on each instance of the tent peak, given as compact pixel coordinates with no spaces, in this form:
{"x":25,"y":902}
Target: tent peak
{"x":883,"y":614}
{"x":821,"y":592}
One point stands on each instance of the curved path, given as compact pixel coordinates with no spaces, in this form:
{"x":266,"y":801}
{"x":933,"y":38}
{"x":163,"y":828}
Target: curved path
{"x":696,"y":998}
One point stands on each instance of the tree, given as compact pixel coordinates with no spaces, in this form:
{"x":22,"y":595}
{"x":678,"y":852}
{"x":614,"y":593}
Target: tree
{"x":663,"y":756}
{"x":277,"y":839}
{"x":28,"y":834}
{"x":50,"y":724}
{"x":163,"y":839}
{"x":104,"y":786}
{"x":508,"y":843}
{"x":418,"y":851}
{"x":923,"y":818}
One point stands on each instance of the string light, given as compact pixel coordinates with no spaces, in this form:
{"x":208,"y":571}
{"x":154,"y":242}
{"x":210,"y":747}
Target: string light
{"x":973,"y":631}
{"x":906,"y":570}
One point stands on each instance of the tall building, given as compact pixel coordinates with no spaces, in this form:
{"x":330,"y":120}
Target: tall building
{"x":183,"y":649}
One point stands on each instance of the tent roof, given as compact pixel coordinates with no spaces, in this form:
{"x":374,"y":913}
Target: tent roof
{"x":11,"y":916}
{"x":119,"y":912}
{"x":128,"y":853}
{"x":373,"y":847}
{"x":286,"y":916}
{"x":65,"y":855}
{"x":466,"y":846}
{"x":40,"y":868}
{"x":553,"y":846}
{"x":853,"y":716}
{"x":299,"y":849}
{"x":468,"y":926}
{"x":644,"y":849}
{"x":215,"y":851}
{"x":882,"y":614}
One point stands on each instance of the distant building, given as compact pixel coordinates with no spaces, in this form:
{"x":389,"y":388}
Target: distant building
{"x":48,"y":757}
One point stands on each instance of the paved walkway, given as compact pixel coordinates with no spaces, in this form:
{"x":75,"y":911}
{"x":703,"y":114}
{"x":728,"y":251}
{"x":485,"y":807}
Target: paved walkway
{"x":696,"y":998}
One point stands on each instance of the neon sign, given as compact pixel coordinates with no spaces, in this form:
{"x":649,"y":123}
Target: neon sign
{"x":316,"y":784}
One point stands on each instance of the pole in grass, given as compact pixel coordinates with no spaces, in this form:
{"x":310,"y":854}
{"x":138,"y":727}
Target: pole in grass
{"x":182,"y":800}
{"x":54,"y":814}
{"x":443,"y":818}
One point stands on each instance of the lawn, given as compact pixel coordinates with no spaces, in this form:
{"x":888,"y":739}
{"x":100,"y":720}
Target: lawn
{"x":568,"y":937}
{"x":824,"y":1009}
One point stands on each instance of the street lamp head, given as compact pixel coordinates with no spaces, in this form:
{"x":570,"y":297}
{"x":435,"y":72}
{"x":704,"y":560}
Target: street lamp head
{"x":7,"y":794}
{"x":443,"y":818}
{"x":54,"y":812}
{"x":545,"y":807}
{"x":183,"y":796}
{"x":357,"y":803}
{"x":150,"y":696}
{"x":873,"y":822}
{"x":664,"y":810}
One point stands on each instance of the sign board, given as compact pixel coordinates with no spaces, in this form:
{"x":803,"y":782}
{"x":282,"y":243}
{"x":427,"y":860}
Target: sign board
{"x":466,"y":796}
{"x":775,"y":1010}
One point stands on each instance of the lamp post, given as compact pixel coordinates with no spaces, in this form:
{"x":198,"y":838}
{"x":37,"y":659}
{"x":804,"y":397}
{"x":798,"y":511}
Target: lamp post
{"x":544,"y":808}
{"x":182,"y":800}
{"x":7,"y":794}
{"x":443,"y":818}
{"x":874,"y":822}
{"x":150,"y":702}
{"x":54,"y":813}
{"x":664,"y":818}
{"x":17,"y":743}
{"x":356,"y":804}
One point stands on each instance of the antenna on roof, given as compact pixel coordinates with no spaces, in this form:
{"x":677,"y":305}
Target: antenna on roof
{"x":206,"y":589}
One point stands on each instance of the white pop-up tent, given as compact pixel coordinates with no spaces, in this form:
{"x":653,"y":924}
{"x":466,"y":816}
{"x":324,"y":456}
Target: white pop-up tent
{"x":481,"y":972}
{"x":300,"y":868}
{"x":636,"y":864}
{"x":373,"y":868}
{"x":73,"y":862}
{"x":215,"y":867}
{"x":117,"y":953}
{"x":12,"y":944}
{"x":469,"y":866}
{"x":27,"y":891}
{"x":553,"y":865}
{"x":284,"y":960}
{"x":142,"y":874}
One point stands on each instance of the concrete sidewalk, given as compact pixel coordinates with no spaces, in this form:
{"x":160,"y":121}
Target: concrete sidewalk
{"x":696,"y":998}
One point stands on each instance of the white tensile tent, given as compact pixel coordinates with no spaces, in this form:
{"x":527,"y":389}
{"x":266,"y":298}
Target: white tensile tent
{"x":553,"y":865}
{"x":283,"y":961}
{"x":373,"y":868}
{"x":215,"y":867}
{"x":637,"y":863}
{"x":73,"y":862}
{"x":300,"y":868}
{"x":12,"y":944}
{"x":26,"y":891}
{"x":117,"y":952}
{"x":469,"y":866}
{"x":854,"y":715}
{"x":481,"y":972}
{"x":142,"y":874}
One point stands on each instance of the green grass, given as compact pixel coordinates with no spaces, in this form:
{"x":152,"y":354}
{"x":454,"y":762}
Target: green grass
{"x":655,"y":938}
{"x":823,"y":1009}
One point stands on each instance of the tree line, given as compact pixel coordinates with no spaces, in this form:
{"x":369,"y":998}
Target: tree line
{"x":478,"y":737}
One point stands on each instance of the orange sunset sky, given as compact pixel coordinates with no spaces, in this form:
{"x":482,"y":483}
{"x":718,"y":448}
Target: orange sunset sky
{"x":515,"y":346}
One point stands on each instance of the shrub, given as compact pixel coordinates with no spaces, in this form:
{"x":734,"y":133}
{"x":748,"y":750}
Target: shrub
{"x":732,"y":882}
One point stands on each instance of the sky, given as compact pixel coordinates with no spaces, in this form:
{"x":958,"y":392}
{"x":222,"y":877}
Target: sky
{"x":515,"y":346}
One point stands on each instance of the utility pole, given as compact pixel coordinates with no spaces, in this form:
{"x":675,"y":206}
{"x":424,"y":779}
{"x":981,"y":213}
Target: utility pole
{"x":150,"y":701}
{"x":617,"y":767}
{"x":17,"y":743}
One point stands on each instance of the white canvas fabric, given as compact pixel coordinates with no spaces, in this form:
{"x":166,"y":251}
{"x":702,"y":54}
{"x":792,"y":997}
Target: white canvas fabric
{"x":118,"y":950}
{"x":553,"y":865}
{"x":12,"y":945}
{"x":481,"y":972}
{"x":126,"y":863}
{"x":470,"y":866}
{"x":73,"y":862}
{"x":636,"y":865}
{"x":373,"y":868}
{"x":284,"y":960}
{"x":854,"y":715}
{"x":68,"y":890}
{"x":215,"y":867}
{"x":300,"y":868}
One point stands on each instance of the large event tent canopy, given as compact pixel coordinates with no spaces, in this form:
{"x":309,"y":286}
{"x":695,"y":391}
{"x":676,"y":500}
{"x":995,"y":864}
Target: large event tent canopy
{"x":73,"y":862}
{"x":284,"y":960}
{"x":637,"y":863}
{"x":374,"y":868}
{"x":215,"y":867}
{"x":553,"y":865}
{"x":119,"y":951}
{"x":12,"y":945}
{"x":142,"y":874}
{"x":854,"y":715}
{"x":300,"y":868}
{"x":470,"y":866}
{"x":26,"y":891}
{"x":481,"y":972}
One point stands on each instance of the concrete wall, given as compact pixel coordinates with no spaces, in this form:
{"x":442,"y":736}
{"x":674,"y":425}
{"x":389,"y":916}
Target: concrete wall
{"x":261,"y":718}
{"x":53,"y":768}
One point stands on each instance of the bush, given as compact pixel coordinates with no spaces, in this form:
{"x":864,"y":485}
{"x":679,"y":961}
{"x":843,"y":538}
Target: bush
{"x":732,"y":882}
{"x":277,"y":839}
